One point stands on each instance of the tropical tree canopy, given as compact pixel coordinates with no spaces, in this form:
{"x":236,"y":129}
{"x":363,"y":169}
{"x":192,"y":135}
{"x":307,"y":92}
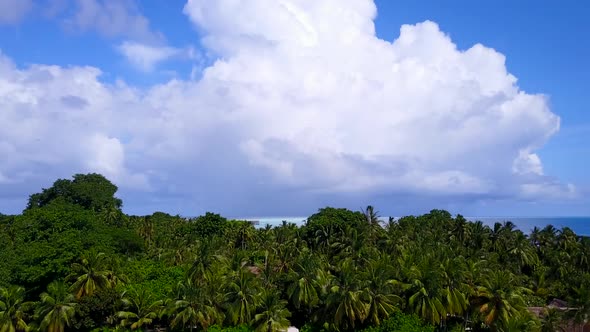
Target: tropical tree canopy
{"x":74,"y":261}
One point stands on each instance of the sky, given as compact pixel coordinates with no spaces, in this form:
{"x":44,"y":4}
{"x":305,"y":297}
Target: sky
{"x":281,"y":107}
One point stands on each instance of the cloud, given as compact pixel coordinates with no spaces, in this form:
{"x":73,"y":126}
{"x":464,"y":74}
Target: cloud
{"x":13,"y":11}
{"x":146,"y":57}
{"x":337,"y":108}
{"x":120,"y":18}
{"x":303,"y":101}
{"x":143,"y":47}
{"x":112,"y":19}
{"x":57,"y":120}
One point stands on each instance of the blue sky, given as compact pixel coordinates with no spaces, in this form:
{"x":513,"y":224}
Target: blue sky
{"x":279,"y":108}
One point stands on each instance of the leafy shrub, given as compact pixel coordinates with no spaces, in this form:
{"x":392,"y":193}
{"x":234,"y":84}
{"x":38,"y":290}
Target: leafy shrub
{"x":400,"y":322}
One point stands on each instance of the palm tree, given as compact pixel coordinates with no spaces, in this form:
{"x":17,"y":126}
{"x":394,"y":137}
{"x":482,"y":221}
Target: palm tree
{"x":193,"y":307}
{"x":425,"y":286}
{"x":380,"y":289}
{"x":498,"y":238}
{"x":90,"y":275}
{"x":273,"y":316}
{"x":454,"y":273}
{"x":535,"y":237}
{"x":285,"y":253}
{"x":111,"y":215}
{"x":567,"y":238}
{"x":302,"y":291}
{"x":523,"y":323}
{"x":141,"y":309}
{"x":548,"y":236}
{"x":345,"y":301}
{"x":552,"y":321}
{"x":539,"y":283}
{"x":583,"y":257}
{"x":245,"y":233}
{"x":13,"y":309}
{"x":373,"y":223}
{"x":581,"y":301}
{"x":460,"y":230}
{"x":324,"y":235}
{"x":499,"y":299}
{"x":146,"y":230}
{"x":176,"y":256}
{"x":324,"y":281}
{"x":204,"y":259}
{"x":57,"y":307}
{"x":115,"y":275}
{"x":523,"y":251}
{"x":242,"y":296}
{"x":371,"y":215}
{"x":480,"y":235}
{"x":427,"y":303}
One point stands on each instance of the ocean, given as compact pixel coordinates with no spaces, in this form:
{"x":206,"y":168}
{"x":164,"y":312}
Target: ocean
{"x":580,"y":225}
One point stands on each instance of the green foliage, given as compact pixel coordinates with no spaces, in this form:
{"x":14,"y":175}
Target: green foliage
{"x":91,"y":191}
{"x":121,"y":241}
{"x":90,"y":275}
{"x":155,"y":277}
{"x":45,"y":241}
{"x":14,"y":311}
{"x":161,"y":230}
{"x":209,"y":225}
{"x":400,"y":322}
{"x":333,"y":217}
{"x":342,"y":271}
{"x":97,"y":310}
{"x":405,"y":323}
{"x":273,"y":314}
{"x":330,"y":224}
{"x":140,"y":309}
{"x":57,"y":308}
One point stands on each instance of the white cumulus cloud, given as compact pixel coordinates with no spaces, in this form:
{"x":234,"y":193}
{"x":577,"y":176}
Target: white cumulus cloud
{"x":334,"y":105}
{"x":145,"y":57}
{"x":303,"y":97}
{"x":57,"y":120}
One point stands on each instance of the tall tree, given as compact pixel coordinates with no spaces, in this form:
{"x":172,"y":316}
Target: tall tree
{"x":90,"y":275}
{"x":146,"y":230}
{"x":302,"y":290}
{"x":13,"y":309}
{"x":552,"y":321}
{"x":91,"y":191}
{"x":242,"y":296}
{"x":346,"y":301}
{"x":426,"y":293}
{"x":193,"y":307}
{"x":272,"y":315}
{"x":499,"y":299}
{"x":57,"y":307}
{"x":580,"y":300}
{"x":380,"y":290}
{"x":371,"y":216}
{"x":427,"y":302}
{"x":140,"y":309}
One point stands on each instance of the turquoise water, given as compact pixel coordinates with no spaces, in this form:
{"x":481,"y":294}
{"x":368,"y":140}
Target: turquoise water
{"x":580,"y":225}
